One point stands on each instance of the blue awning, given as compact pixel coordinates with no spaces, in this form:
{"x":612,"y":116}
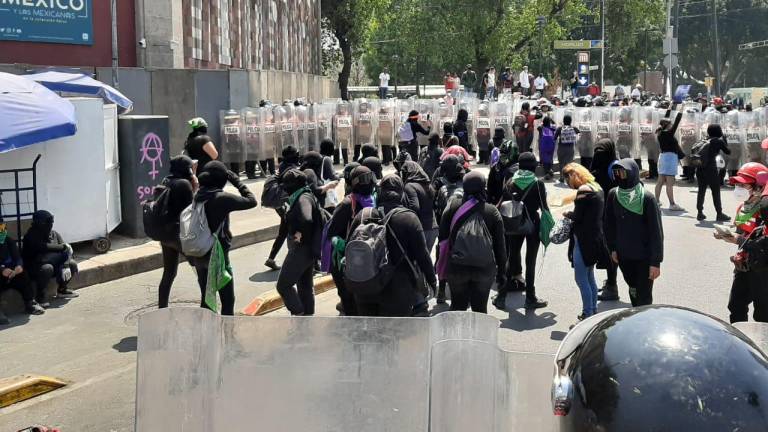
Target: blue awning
{"x":82,"y":84}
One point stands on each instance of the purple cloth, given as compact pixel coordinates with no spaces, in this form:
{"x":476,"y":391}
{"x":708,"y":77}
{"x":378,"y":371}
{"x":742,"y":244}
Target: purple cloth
{"x":444,"y":250}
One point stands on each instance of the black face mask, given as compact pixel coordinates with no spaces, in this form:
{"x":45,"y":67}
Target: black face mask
{"x":622,"y":178}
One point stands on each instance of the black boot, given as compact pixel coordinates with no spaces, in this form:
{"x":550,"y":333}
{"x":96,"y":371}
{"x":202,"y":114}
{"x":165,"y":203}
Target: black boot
{"x":653,"y":169}
{"x":500,"y":301}
{"x":441,"y":293}
{"x":33,"y":308}
{"x":609,"y":293}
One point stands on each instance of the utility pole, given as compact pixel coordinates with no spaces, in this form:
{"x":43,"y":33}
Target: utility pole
{"x":717,"y":49}
{"x":676,"y":33}
{"x":668,"y":48}
{"x":115,"y":50}
{"x":602,"y":50}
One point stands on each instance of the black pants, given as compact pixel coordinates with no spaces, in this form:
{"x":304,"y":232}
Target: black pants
{"x":268,"y":166}
{"x":412,"y":148}
{"x":389,"y":153}
{"x":226,"y":294}
{"x":20,"y":283}
{"x":171,"y":255}
{"x":612,"y":272}
{"x":515,"y":267}
{"x":636,"y":276}
{"x":586,"y":162}
{"x":396,"y":300}
{"x":50,"y":267}
{"x":347,"y":298}
{"x":708,"y":178}
{"x":250,"y":168}
{"x":485,"y":156}
{"x":470,"y":289}
{"x":357,"y":152}
{"x":653,"y":169}
{"x":298,"y":269}
{"x":282,"y":233}
{"x":749,"y":287}
{"x":565,"y":153}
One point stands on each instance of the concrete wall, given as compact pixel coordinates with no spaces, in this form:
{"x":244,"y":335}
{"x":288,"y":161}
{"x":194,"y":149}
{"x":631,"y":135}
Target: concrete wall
{"x":135,"y":82}
{"x":160,"y":24}
{"x":212,"y":95}
{"x":173,"y":94}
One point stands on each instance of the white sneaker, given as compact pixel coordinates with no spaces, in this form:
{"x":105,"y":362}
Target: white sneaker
{"x":676,"y":208}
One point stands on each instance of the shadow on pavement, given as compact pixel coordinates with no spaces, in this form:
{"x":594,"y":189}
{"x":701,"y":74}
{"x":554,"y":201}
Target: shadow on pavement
{"x":265,"y":276}
{"x":126,"y":344}
{"x":16,"y":321}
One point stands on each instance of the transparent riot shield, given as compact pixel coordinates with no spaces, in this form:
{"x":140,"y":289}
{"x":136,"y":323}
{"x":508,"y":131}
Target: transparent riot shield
{"x":483,"y":132}
{"x":252,"y":123}
{"x":510,"y":392}
{"x":324,"y":116}
{"x":734,"y":135}
{"x":342,"y":128}
{"x":445,"y":114}
{"x":470,"y":105}
{"x":645,"y":133}
{"x":754,"y":133}
{"x":626,"y":144}
{"x":427,"y":115}
{"x":283,"y":129}
{"x":604,"y":123}
{"x":364,"y":123}
{"x":313,"y":138}
{"x":232,"y":138}
{"x":586,"y":142}
{"x":200,"y":372}
{"x":301,"y":115}
{"x":269,"y":137}
{"x":385,"y":120}
{"x":501,"y":116}
{"x":686,"y":131}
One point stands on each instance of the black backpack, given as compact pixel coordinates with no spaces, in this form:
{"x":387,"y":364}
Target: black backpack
{"x":273,"y":196}
{"x":447,"y":193}
{"x":699,"y":154}
{"x":320,"y":218}
{"x":155,"y":215}
{"x":473,"y":246}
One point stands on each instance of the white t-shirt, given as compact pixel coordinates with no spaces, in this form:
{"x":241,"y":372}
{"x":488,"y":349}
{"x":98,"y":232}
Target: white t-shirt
{"x":383,"y":79}
{"x":525,"y":80}
{"x":540,"y":83}
{"x":491,"y":80}
{"x":636,"y":93}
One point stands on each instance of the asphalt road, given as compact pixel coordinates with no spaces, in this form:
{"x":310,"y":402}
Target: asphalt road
{"x":91,"y":341}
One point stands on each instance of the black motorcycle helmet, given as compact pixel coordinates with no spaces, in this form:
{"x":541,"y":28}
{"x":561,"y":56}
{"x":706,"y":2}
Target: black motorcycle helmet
{"x":659,"y":368}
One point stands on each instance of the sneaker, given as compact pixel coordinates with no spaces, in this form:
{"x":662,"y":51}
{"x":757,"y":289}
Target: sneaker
{"x":535,"y":304}
{"x":500,"y":302}
{"x":441,"y":295}
{"x":339,"y":307}
{"x":701,"y":216}
{"x":421,"y":311}
{"x":272,"y":264}
{"x":515,"y":285}
{"x":4,"y":319}
{"x":676,"y":208}
{"x":609,"y":293}
{"x":582,"y":317}
{"x":65,"y":292}
{"x":33,"y":308}
{"x":722,"y":217}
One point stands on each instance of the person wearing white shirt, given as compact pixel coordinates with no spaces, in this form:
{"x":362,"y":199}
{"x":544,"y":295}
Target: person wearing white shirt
{"x":525,"y":81}
{"x":540,"y":83}
{"x":383,"y":83}
{"x":636,"y":93}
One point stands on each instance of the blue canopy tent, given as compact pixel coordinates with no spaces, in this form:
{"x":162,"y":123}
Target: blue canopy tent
{"x":30,"y":113}
{"x":82,"y":84}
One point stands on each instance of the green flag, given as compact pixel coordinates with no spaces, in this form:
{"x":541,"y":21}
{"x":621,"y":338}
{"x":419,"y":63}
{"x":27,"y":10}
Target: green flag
{"x":219,"y":274}
{"x":547,"y":222}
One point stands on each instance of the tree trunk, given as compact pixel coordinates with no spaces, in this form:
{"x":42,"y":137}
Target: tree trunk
{"x":346,"y":69}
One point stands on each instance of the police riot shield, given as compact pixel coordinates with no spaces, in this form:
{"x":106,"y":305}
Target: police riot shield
{"x":686,"y":131}
{"x":365,"y":126}
{"x":269,"y":138}
{"x":604,"y":125}
{"x":445,"y":114}
{"x":586,"y":142}
{"x":501,"y":117}
{"x":324,"y":117}
{"x":232,"y":138}
{"x":427,"y":112}
{"x":753,"y":131}
{"x":645,"y":132}
{"x":313,"y":138}
{"x":301,"y":116}
{"x":734,"y":135}
{"x":342,"y":127}
{"x":469,"y":104}
{"x":404,"y":106}
{"x":283,"y":129}
{"x":385,"y":122}
{"x":199,"y":372}
{"x":483,"y":132}
{"x":252,"y":124}
{"x":627,"y":144}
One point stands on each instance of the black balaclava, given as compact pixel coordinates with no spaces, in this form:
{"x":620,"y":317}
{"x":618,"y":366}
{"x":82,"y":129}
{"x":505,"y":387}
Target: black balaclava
{"x":434,"y":140}
{"x":448,"y":128}
{"x":401,"y":158}
{"x":294,"y":180}
{"x":452,"y":168}
{"x":391,"y":192}
{"x":214,"y":175}
{"x":498,"y":137}
{"x":346,"y":174}
{"x":362,"y":181}
{"x":314,"y":161}
{"x":463,"y":115}
{"x":42,"y":222}
{"x":474,"y":186}
{"x":181,"y":167}
{"x":368,"y":150}
{"x":632,"y":177}
{"x":528,"y":162}
{"x":326,"y":147}
{"x":411,"y":172}
{"x":373,"y":163}
{"x":291,"y":155}
{"x":604,"y":155}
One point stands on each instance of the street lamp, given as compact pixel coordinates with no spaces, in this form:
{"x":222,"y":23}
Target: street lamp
{"x":395,"y":59}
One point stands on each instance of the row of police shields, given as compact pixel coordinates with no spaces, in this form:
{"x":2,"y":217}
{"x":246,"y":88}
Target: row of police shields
{"x":262,"y":133}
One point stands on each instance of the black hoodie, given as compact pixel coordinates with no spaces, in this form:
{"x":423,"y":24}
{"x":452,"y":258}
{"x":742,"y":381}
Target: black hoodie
{"x":41,"y":239}
{"x":604,"y":156}
{"x":460,"y":128}
{"x":419,"y":196}
{"x":180,"y":184}
{"x":634,"y":237}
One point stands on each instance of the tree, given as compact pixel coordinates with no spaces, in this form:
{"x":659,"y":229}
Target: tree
{"x":349,"y":22}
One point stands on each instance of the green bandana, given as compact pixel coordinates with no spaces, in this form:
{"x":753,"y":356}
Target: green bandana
{"x":632,"y":199}
{"x":523,"y":179}
{"x":3,"y":235}
{"x":294,"y":196}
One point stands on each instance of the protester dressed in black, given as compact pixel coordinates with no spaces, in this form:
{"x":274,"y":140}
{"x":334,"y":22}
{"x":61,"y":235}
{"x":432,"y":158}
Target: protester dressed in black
{"x":291,"y":159}
{"x":460,"y":129}
{"x":13,"y":275}
{"x":430,"y":157}
{"x":199,"y":145}
{"x":218,"y":206}
{"x":420,"y":198}
{"x":708,"y":176}
{"x":605,"y":156}
{"x":504,"y":169}
{"x":412,"y":146}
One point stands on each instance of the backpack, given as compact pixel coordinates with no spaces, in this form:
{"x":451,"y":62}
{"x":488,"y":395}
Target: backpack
{"x":446,"y":194}
{"x":194,"y":233}
{"x":273,"y":196}
{"x":157,"y":222}
{"x":515,"y":215}
{"x":367,"y":269}
{"x":405,"y":133}
{"x":320,"y":219}
{"x":699,"y":154}
{"x":472,"y":246}
{"x":567,"y":135}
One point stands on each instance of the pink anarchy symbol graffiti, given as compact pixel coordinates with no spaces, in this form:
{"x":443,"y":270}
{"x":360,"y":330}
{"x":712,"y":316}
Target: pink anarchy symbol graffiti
{"x":151,"y":151}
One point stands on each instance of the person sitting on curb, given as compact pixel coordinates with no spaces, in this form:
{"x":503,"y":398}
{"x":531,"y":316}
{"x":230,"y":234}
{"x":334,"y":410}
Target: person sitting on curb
{"x":12,"y":275}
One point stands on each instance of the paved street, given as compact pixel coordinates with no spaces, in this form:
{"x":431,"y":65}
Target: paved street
{"x":91,"y":341}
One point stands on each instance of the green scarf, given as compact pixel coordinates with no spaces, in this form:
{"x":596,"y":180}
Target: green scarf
{"x":294,"y":196}
{"x":632,"y":199}
{"x":3,"y":235}
{"x":523,"y":179}
{"x":746,"y":212}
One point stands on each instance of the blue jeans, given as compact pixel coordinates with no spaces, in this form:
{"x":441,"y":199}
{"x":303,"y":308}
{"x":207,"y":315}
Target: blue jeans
{"x":490,"y":92}
{"x":383,"y":92}
{"x":585,"y":279}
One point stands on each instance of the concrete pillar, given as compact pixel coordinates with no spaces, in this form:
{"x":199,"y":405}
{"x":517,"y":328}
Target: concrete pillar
{"x":159,"y":24}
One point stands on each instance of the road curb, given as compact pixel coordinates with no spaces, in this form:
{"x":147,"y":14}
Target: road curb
{"x":22,"y":387}
{"x":271,"y":301}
